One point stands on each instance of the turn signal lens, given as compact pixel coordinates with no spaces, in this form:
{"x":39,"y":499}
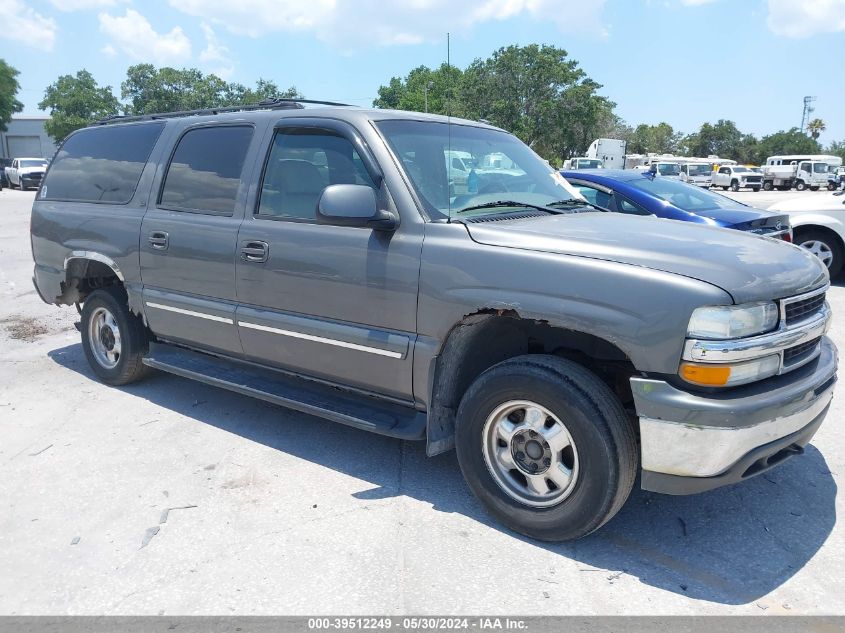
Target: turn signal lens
{"x":730,"y":375}
{"x":709,"y":375}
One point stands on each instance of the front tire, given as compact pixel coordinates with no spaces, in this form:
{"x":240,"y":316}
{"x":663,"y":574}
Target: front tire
{"x":546,"y":446}
{"x":755,"y":189}
{"x":734,"y":186}
{"x":114,"y":339}
{"x":767,"y":186}
{"x":824,"y":246}
{"x":800,"y":185}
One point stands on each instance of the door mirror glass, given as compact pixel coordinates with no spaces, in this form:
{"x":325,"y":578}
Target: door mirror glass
{"x":353,"y":205}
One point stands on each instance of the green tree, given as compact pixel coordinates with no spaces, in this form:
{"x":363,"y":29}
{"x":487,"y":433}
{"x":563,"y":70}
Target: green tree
{"x":792,"y":141}
{"x":423,"y":88}
{"x":837,"y":148}
{"x":722,"y":139}
{"x":816,"y":127}
{"x":9,"y":87}
{"x":149,"y":89}
{"x":76,"y":101}
{"x":539,"y":94}
{"x":660,"y":138}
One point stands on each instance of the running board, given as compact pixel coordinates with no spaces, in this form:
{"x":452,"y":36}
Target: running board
{"x":306,"y":396}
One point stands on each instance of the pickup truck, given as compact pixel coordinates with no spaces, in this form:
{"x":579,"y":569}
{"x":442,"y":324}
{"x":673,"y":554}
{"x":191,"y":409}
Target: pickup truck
{"x":25,"y":172}
{"x":313,"y":256}
{"x":736,"y":177}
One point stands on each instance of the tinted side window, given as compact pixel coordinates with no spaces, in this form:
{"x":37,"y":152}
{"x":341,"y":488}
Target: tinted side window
{"x":205,"y":171}
{"x":627,"y":206}
{"x":301,"y":164}
{"x":594,"y":196}
{"x":101,"y":164}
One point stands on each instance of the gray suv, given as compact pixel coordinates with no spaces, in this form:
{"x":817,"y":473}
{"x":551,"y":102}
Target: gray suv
{"x":316,"y":256}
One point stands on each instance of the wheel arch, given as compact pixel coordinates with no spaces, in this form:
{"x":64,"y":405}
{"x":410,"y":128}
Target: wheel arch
{"x":488,"y":337}
{"x":86,"y":271}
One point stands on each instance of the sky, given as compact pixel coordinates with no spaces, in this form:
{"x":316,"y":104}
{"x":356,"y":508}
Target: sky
{"x":680,"y":61}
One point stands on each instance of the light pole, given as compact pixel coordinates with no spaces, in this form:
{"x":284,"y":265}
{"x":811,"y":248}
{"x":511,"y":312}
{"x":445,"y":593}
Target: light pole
{"x":428,"y":84}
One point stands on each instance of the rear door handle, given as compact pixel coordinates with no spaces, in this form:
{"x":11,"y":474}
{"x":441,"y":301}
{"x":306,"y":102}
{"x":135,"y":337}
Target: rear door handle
{"x":158,"y":240}
{"x":255,"y":251}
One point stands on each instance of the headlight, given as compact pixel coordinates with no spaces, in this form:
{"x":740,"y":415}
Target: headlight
{"x":726,"y":322}
{"x":731,"y":374}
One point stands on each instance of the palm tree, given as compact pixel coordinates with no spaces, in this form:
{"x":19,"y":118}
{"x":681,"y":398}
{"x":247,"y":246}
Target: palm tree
{"x":816,"y":127}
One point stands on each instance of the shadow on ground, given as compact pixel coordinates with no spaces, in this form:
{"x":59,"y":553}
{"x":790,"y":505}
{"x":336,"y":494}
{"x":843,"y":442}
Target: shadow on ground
{"x":729,"y":546}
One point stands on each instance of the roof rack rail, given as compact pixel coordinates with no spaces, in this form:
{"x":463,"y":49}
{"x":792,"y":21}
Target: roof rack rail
{"x":275,"y":103}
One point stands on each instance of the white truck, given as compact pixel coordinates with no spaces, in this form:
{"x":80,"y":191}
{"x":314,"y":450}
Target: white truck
{"x":25,"y":172}
{"x":736,"y":177}
{"x":697,"y":173}
{"x":800,"y":171}
{"x":610,"y":151}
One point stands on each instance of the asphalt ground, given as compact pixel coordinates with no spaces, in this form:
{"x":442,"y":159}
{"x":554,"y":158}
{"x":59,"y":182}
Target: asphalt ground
{"x":172,"y":497}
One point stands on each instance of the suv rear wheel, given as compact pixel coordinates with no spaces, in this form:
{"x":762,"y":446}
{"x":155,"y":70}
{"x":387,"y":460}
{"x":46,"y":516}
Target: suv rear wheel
{"x":546,"y":446}
{"x":114,"y":339}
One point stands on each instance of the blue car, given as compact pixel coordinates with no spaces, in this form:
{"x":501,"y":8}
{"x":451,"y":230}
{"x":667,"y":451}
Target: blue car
{"x":641,"y":193}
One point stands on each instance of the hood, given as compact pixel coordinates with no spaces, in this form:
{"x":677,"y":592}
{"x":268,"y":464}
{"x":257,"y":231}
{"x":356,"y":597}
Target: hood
{"x":824,"y":202}
{"x":748,"y":267}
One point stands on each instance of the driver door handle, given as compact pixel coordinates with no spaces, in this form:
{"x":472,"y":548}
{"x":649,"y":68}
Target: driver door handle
{"x":159,"y":240}
{"x":255,"y":251}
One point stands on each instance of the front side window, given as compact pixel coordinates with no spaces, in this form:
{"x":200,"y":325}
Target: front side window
{"x":101,"y":164}
{"x":301,"y":164}
{"x":205,"y":172}
{"x":594,"y":196}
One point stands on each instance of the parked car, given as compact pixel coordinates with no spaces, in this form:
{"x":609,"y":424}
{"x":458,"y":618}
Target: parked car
{"x":818,"y":226}
{"x":4,"y":162}
{"x":314,"y":257}
{"x":26,"y":172}
{"x":639,"y":193}
{"x":736,"y":177}
{"x":700,"y":174}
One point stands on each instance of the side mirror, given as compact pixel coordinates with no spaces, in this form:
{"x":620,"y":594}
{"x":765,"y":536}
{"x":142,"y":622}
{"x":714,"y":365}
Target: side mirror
{"x":353,"y":205}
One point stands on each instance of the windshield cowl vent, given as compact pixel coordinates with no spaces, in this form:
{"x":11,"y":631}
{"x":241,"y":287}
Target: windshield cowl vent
{"x":499,"y":217}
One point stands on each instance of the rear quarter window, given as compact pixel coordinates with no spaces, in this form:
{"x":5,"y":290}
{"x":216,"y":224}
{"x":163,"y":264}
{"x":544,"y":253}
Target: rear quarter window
{"x":101,"y":164}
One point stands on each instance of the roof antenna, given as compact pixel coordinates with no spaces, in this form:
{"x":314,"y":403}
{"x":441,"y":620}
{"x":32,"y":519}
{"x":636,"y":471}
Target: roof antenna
{"x":449,"y":124}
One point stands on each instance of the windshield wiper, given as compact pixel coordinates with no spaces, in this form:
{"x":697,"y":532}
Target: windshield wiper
{"x":572,"y":202}
{"x":507,"y":203}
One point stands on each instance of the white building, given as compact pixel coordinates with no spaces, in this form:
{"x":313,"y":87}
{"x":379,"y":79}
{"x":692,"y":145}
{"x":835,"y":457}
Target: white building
{"x":26,"y":136}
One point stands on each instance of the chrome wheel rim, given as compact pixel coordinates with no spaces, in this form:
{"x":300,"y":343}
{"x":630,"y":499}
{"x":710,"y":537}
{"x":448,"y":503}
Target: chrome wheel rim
{"x":820,"y":250}
{"x":104,"y":336}
{"x":530,"y":453}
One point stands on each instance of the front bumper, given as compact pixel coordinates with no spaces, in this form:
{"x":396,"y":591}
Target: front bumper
{"x":692,"y":443}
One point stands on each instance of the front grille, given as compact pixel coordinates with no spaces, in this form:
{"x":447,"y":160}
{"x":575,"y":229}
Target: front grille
{"x":753,"y":179}
{"x":794,"y":354}
{"x":805,"y":308}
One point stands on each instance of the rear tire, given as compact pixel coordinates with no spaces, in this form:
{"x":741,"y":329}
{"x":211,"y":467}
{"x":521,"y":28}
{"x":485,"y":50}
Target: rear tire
{"x":824,"y":246}
{"x":571,"y":407}
{"x":114,"y":339}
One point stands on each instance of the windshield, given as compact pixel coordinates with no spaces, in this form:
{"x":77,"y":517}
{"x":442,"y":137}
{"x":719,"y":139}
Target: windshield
{"x":33,"y":163}
{"x":589,"y":164}
{"x":669,"y":169}
{"x":687,"y":197}
{"x":820,"y":168}
{"x":500,"y":167}
{"x":699,"y":170}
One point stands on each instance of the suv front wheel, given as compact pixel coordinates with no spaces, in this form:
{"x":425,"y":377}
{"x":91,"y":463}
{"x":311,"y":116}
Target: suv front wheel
{"x":546,"y":446}
{"x":114,"y":339}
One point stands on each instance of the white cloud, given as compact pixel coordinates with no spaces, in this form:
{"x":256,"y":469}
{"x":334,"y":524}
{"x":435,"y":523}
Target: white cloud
{"x":134,"y":36}
{"x":25,"y":25}
{"x":356,"y":24}
{"x":215,"y":52}
{"x":696,"y":3}
{"x":804,"y":18}
{"x":108,"y":49}
{"x":82,"y":5}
